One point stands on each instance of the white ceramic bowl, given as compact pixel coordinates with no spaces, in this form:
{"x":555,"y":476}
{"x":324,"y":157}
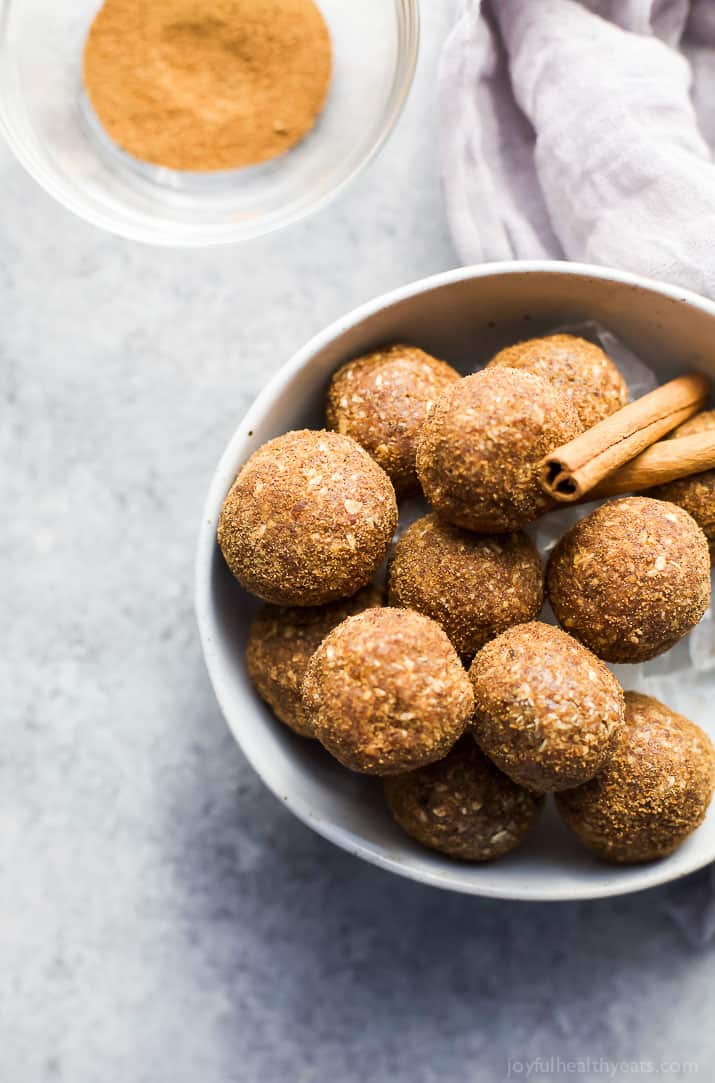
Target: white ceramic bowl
{"x":53,"y":131}
{"x":463,"y":316}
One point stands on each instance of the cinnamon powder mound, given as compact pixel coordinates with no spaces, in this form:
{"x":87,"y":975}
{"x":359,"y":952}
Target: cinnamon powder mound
{"x":205,"y":85}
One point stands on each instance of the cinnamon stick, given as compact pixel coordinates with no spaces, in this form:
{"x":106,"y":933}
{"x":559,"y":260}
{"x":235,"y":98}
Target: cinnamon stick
{"x":665,"y":461}
{"x":573,"y":470}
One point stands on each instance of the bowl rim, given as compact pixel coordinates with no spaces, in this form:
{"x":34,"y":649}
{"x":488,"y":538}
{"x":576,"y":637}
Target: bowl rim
{"x":616,"y":881}
{"x":146,"y":229}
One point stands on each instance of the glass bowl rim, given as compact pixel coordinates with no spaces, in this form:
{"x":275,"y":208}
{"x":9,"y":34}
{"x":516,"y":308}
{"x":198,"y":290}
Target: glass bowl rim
{"x":150,"y":230}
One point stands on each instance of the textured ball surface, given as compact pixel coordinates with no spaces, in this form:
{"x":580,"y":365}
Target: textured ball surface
{"x":381,"y":400}
{"x":462,"y":806}
{"x":474,"y":586}
{"x":654,"y":791}
{"x":579,"y":369}
{"x":281,"y":642}
{"x":630,"y":579}
{"x":546,"y":710}
{"x":479,"y":450}
{"x":386,"y":692}
{"x":696,"y":493}
{"x":308,"y":520}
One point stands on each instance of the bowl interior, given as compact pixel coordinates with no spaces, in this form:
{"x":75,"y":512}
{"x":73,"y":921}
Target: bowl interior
{"x":52,"y":128}
{"x":463,"y":317}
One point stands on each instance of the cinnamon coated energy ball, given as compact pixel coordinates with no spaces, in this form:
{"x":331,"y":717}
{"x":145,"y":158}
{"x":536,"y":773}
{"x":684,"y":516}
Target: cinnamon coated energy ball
{"x":281,"y":642}
{"x":474,"y":586}
{"x":654,"y":791}
{"x":462,"y":806}
{"x":579,"y":369}
{"x":385,"y":692}
{"x":630,"y":579}
{"x":381,"y":400}
{"x":479,"y":450}
{"x":308,"y":520}
{"x":696,"y":493}
{"x":546,"y":710}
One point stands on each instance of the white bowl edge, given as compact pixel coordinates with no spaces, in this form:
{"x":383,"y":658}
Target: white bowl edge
{"x":614,"y":881}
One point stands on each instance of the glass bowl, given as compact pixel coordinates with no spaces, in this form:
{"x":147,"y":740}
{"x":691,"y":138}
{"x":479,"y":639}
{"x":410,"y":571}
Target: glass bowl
{"x":52,"y":129}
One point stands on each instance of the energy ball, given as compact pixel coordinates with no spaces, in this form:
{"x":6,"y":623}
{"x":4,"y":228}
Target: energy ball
{"x":386,"y":693}
{"x":475,"y":587}
{"x":577,"y":368}
{"x":479,"y":450}
{"x":462,"y":805}
{"x":308,"y":520}
{"x":630,"y":579}
{"x":282,"y":641}
{"x":695,"y":494}
{"x":654,"y":791}
{"x":381,"y":400}
{"x":547,"y":711}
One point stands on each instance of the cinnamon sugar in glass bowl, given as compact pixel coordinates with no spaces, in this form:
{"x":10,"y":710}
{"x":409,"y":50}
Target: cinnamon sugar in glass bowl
{"x":49,"y":124}
{"x":464,"y":317}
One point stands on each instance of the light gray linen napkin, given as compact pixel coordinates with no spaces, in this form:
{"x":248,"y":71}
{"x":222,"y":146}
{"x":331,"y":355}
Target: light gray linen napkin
{"x":579,"y":129}
{"x":569,"y":131}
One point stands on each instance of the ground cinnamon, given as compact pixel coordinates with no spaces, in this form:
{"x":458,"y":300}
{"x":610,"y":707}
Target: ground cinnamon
{"x":206,"y":85}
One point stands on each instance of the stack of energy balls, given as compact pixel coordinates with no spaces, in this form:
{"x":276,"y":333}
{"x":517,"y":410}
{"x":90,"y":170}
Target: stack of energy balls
{"x":444,"y":682}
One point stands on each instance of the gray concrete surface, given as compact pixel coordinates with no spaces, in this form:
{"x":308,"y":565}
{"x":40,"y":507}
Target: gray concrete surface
{"x":162,"y":918}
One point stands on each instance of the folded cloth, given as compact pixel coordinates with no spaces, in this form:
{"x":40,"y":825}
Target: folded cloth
{"x":569,"y":131}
